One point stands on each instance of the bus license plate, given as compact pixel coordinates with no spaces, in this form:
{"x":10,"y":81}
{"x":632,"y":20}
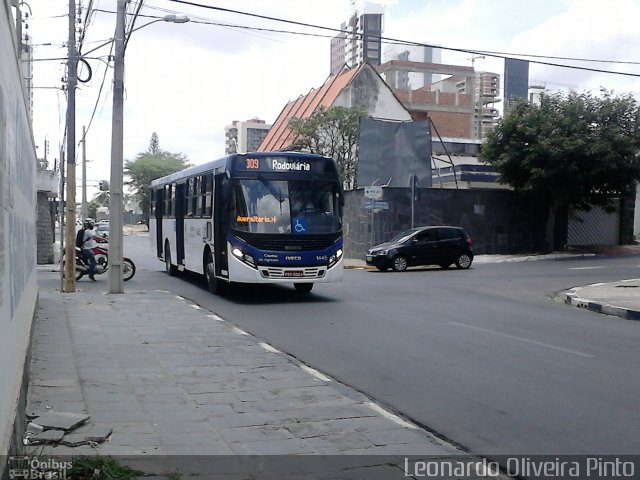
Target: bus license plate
{"x":294,"y":273}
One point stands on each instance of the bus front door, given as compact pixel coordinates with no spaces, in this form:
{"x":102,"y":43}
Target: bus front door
{"x":221,"y":224}
{"x":180,"y":204}
{"x":159,"y":199}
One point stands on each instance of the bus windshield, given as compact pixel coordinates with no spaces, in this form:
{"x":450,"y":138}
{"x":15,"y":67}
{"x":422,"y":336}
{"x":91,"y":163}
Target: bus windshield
{"x":285,"y":206}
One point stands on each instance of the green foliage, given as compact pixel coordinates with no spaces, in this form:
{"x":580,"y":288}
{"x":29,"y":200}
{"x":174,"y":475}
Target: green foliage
{"x":92,"y":209}
{"x":332,"y":132}
{"x":154,"y":144}
{"x":101,"y":199}
{"x":575,"y":150}
{"x":149,"y":165}
{"x":101,"y":468}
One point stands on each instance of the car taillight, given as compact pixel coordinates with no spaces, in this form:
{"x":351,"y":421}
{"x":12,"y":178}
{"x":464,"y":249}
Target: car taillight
{"x":469,"y":242}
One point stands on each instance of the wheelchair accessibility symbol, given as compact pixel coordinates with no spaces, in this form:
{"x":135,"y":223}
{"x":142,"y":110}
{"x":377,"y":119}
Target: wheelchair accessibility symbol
{"x":300,"y":225}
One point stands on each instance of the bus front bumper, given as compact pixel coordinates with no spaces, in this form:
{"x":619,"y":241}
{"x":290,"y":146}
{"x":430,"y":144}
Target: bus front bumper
{"x":242,"y":273}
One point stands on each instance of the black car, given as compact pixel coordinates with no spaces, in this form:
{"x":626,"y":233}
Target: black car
{"x":441,"y":245}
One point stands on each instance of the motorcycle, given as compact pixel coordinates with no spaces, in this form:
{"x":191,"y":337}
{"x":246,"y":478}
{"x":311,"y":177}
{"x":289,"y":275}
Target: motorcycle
{"x":101,"y":252}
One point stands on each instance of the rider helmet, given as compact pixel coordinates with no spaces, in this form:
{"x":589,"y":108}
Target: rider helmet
{"x":89,"y":223}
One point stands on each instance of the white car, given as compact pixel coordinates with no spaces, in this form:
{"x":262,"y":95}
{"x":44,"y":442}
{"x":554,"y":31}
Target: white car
{"x":102,"y":229}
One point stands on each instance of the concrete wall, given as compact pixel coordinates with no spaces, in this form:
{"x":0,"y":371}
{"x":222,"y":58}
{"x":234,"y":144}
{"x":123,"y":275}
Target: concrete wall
{"x":18,"y":284}
{"x":498,"y":221}
{"x":45,"y":235}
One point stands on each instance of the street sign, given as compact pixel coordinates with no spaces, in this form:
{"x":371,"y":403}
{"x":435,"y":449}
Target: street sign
{"x":373,"y":191}
{"x":369,"y":204}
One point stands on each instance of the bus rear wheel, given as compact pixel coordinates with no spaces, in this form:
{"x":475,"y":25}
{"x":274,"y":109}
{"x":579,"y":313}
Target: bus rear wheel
{"x":303,"y":287}
{"x":171,"y":269}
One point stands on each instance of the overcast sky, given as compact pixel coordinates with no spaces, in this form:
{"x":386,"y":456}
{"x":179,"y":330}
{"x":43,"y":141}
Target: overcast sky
{"x":187,"y":81}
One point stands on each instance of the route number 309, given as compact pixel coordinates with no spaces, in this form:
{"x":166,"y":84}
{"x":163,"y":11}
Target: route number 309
{"x":253,"y":163}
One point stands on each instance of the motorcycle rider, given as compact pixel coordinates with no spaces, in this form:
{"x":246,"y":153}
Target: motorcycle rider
{"x":88,"y":244}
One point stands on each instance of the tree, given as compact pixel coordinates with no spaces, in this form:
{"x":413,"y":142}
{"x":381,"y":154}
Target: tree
{"x":149,"y":165}
{"x":332,"y":132}
{"x":573,"y":150}
{"x":154,"y":144}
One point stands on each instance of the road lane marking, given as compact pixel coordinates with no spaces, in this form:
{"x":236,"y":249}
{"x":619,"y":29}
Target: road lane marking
{"x":240,"y":331}
{"x":216,"y":317}
{"x":315,"y":373}
{"x":390,"y":416}
{"x":269,"y":348}
{"x":526,"y":340}
{"x":586,"y":268}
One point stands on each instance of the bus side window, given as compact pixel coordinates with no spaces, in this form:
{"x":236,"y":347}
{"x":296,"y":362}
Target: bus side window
{"x":197,"y":194}
{"x":167,"y":201}
{"x":188,"y":204}
{"x":152,"y":203}
{"x":208,"y":195}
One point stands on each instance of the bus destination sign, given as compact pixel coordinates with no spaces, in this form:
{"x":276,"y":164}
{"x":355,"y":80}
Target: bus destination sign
{"x":274,"y":164}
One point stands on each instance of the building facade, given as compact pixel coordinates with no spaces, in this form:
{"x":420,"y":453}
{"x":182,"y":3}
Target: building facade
{"x":516,"y":81}
{"x":18,"y":278}
{"x":359,"y":40}
{"x":406,"y":80}
{"x":484,"y":90}
{"x":243,"y":137}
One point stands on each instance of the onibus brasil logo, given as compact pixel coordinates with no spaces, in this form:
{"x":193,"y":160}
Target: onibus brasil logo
{"x":33,"y":468}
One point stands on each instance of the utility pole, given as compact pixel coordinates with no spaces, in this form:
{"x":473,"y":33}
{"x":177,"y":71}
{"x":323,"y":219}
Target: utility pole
{"x":70,"y":217}
{"x":115,"y":184}
{"x":84,"y":173}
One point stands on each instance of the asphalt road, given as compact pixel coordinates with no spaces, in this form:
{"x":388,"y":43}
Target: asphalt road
{"x":483,"y":357}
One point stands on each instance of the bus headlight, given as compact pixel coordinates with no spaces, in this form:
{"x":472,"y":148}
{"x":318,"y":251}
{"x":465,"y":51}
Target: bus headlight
{"x":240,"y":255}
{"x":335,"y":257}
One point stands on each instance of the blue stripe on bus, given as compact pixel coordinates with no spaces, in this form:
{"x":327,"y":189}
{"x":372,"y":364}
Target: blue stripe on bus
{"x":305,"y":258}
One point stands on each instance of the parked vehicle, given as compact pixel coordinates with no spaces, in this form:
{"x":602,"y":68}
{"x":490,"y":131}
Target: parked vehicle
{"x":102,"y":229}
{"x":434,"y":245}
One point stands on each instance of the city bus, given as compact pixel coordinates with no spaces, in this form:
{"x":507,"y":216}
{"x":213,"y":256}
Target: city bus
{"x":263,"y":217}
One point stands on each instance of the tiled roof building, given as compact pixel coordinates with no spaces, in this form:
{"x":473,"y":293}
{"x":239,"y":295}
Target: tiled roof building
{"x":357,"y":86}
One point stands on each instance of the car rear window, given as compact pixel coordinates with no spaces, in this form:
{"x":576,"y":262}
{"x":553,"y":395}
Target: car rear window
{"x":449,"y":233}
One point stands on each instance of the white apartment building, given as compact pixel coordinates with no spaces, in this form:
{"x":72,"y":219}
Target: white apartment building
{"x":359,"y":40}
{"x":243,"y":137}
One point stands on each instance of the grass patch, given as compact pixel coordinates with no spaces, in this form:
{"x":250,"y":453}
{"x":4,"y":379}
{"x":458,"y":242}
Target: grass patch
{"x":100,"y":468}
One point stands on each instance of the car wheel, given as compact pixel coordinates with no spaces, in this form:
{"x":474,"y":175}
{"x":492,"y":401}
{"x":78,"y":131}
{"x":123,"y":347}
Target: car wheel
{"x":444,"y":265}
{"x":382,"y":269}
{"x":399,"y":263}
{"x":463,"y":261}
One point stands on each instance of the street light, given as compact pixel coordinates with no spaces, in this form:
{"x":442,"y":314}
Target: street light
{"x":116,"y":284}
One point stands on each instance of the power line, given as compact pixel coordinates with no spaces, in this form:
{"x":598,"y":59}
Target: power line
{"x":407,"y":42}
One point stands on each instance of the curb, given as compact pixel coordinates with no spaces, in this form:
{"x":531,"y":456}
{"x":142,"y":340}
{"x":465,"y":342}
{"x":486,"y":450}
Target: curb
{"x":572,"y":297}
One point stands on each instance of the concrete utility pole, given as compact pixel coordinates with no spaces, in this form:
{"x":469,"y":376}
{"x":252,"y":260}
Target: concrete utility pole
{"x":116,"y":284}
{"x":84,"y":173}
{"x":72,"y":80}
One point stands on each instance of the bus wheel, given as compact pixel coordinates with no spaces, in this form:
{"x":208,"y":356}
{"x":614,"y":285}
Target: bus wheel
{"x":171,"y":269}
{"x":215,"y":285}
{"x":303,"y":287}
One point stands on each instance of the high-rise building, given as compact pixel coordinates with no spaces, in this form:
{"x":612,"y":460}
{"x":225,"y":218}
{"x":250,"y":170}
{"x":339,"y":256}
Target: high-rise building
{"x":516,"y":81}
{"x":243,"y":137}
{"x":359,"y":40}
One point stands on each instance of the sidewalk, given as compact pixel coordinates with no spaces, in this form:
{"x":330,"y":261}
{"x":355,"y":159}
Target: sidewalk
{"x":621,"y":299}
{"x":171,"y":378}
